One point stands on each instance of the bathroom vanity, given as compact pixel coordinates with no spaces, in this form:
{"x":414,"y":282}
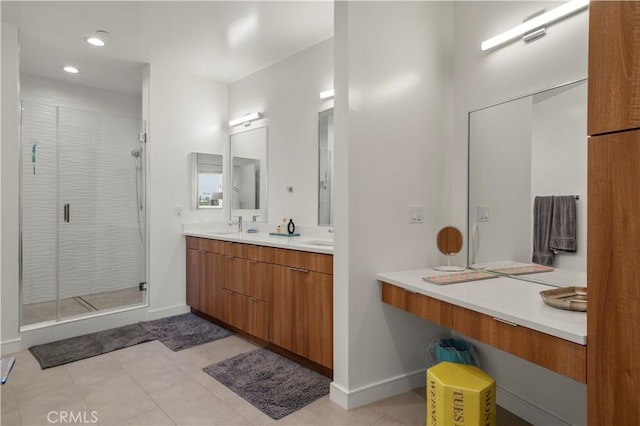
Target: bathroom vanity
{"x":502,"y":312}
{"x":277,"y":291}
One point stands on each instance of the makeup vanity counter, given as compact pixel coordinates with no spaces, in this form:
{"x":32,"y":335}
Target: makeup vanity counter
{"x":503,"y":312}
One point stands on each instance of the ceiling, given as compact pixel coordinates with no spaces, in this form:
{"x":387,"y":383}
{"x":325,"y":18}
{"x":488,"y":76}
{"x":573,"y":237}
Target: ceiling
{"x":218,"y":40}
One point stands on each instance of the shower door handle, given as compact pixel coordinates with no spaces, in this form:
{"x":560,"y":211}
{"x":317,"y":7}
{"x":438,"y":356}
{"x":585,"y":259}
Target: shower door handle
{"x":66,"y":212}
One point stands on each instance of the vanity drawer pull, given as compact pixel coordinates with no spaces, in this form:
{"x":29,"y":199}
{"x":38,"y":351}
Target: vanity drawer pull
{"x":506,"y":322}
{"x":299,"y":270}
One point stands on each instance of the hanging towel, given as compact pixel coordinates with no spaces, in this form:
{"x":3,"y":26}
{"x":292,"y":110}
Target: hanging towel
{"x":563,"y":224}
{"x":542,"y":215}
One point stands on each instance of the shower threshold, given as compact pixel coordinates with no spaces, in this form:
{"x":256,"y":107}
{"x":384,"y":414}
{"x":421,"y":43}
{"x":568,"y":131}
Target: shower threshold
{"x":33,"y":313}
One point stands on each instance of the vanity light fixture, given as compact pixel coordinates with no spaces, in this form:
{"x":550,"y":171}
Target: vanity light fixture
{"x":99,"y":39}
{"x":71,"y":69}
{"x":247,"y":118}
{"x":328,"y":94}
{"x":535,"y":23}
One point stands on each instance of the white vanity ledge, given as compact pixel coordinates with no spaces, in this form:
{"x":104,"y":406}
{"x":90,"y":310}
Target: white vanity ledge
{"x":301,"y":243}
{"x":504,"y":298}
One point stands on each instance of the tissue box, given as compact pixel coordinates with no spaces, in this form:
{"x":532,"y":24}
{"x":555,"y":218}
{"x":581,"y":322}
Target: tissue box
{"x":460,"y":395}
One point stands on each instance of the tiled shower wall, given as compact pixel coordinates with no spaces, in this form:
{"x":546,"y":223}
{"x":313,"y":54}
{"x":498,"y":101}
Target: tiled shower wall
{"x":83,"y":140}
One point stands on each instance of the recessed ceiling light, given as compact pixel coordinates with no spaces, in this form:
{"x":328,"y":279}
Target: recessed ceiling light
{"x":95,"y":41}
{"x":99,"y":38}
{"x":71,"y":69}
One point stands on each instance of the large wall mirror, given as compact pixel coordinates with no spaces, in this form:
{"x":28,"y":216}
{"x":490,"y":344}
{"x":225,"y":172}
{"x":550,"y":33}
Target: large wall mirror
{"x":531,"y":147}
{"x":206,"y":180}
{"x":248,"y":156}
{"x":325,"y":167}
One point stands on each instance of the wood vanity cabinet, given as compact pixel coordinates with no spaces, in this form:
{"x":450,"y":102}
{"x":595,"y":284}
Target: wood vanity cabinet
{"x":561,"y":356}
{"x":613,"y":214}
{"x":302,"y":313}
{"x":282,"y":297}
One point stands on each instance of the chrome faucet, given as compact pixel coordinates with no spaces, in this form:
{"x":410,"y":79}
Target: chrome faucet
{"x":239,"y":223}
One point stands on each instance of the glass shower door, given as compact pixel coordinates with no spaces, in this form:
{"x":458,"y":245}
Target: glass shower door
{"x":97,"y":257}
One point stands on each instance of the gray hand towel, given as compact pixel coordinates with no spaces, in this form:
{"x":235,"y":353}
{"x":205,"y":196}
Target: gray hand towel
{"x":542,"y":215}
{"x":563,"y":223}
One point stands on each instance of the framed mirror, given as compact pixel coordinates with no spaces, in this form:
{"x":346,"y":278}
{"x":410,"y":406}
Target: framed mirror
{"x":248,"y":158}
{"x":206,"y":172}
{"x":325,"y":167}
{"x":528,"y":148}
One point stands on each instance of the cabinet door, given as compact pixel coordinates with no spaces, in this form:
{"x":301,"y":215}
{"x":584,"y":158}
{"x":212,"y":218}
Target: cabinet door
{"x":283,"y":322}
{"x":214,"y":290}
{"x":196,"y":278}
{"x":613,"y":268}
{"x":614,"y":66}
{"x":315,"y":308}
{"x":235,"y":306}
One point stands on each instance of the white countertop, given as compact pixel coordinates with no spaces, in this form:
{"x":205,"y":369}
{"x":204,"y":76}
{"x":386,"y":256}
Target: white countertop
{"x":301,"y":243}
{"x":504,"y":298}
{"x":557,"y":278}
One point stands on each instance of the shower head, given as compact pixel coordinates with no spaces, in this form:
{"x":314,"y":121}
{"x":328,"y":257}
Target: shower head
{"x":135,"y":153}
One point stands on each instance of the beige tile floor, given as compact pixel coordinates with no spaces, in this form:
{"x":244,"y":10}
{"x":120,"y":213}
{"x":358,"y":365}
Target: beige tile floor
{"x":149,"y":384}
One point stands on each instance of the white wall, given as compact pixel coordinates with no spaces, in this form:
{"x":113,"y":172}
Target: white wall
{"x":187,"y":114}
{"x":9,"y":155}
{"x":288,"y":94}
{"x":485,"y":78}
{"x":391,"y":134}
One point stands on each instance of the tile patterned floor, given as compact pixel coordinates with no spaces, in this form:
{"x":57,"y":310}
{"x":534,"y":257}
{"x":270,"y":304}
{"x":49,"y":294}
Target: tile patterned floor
{"x":149,"y":384}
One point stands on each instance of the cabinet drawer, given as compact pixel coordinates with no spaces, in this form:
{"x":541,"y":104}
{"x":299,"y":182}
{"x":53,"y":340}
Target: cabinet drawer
{"x":234,"y":249}
{"x":196,"y":243}
{"x":260,"y":253}
{"x":305,"y":260}
{"x":215,"y":246}
{"x":563,"y":357}
{"x":257,"y":318}
{"x":423,"y":306}
{"x":258,"y":277}
{"x":234,"y":274}
{"x":235,"y":306}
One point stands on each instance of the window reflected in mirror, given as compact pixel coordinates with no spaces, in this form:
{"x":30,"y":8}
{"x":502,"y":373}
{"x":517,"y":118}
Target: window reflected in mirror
{"x":207,"y":180}
{"x":325,"y":168}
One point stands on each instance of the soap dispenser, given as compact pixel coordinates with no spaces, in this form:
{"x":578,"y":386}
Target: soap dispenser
{"x":252,"y":228}
{"x":291,"y":227}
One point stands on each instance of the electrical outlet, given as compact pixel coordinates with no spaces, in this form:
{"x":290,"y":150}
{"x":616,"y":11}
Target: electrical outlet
{"x":483,"y":213}
{"x":416,"y":213}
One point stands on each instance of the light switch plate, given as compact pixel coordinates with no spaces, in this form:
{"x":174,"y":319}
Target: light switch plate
{"x":178,"y":211}
{"x":483,"y":213}
{"x":416,"y":213}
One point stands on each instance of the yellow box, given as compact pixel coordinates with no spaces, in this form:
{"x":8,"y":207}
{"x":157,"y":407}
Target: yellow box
{"x":460,"y":395}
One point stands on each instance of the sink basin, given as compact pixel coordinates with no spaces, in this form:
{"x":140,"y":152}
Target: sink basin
{"x":322,"y":243}
{"x":220,"y":232}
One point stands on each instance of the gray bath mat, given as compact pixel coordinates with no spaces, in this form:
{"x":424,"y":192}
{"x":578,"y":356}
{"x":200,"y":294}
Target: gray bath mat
{"x":81,"y":347}
{"x":184,"y":331}
{"x":272,"y":383}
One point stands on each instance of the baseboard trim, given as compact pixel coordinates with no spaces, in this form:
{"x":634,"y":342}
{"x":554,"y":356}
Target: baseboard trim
{"x":10,"y":346}
{"x":400,"y":384}
{"x":167,"y":311}
{"x":525,"y":410}
{"x":350,"y":399}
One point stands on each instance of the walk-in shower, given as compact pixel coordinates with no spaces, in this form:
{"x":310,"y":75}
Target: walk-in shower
{"x":82,"y":213}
